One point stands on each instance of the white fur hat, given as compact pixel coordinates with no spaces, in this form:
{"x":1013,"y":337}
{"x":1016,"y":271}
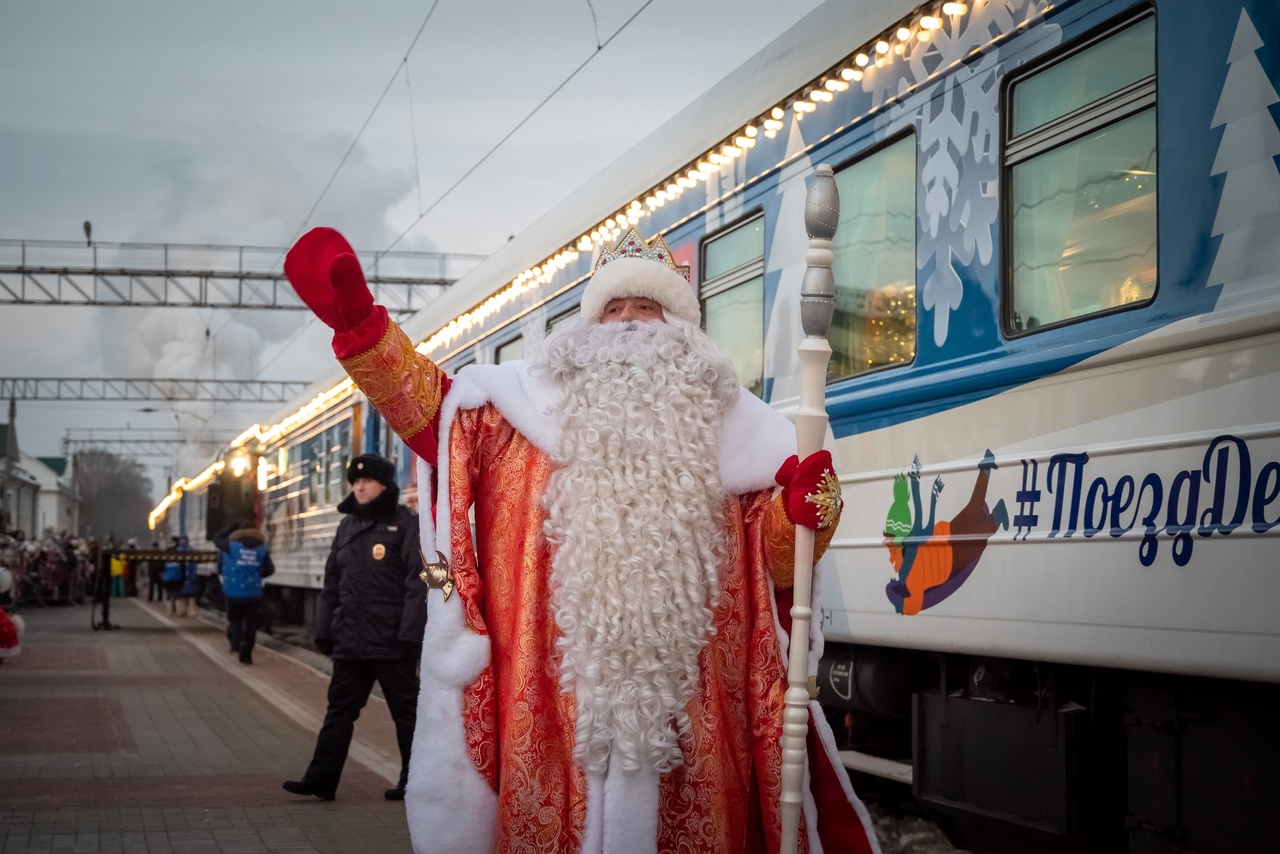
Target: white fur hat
{"x":637,"y":267}
{"x":639,"y":277}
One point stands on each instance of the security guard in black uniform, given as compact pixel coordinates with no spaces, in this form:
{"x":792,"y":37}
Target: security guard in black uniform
{"x":370,"y":619}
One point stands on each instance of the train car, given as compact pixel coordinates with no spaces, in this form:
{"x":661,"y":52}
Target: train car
{"x":1054,"y":391}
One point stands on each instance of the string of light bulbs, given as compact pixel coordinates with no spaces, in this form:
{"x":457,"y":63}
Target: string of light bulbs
{"x":874,"y":54}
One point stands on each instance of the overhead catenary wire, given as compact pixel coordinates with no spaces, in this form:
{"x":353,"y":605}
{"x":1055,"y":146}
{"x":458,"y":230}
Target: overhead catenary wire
{"x":512,"y":132}
{"x":423,"y":212}
{"x":600,"y":46}
{"x":404,"y":63}
{"x":595,"y":24}
{"x":413,"y":135}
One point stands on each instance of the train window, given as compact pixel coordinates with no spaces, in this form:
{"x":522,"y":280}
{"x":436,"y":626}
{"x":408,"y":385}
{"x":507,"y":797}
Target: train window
{"x":733,"y":298}
{"x":513,"y":349}
{"x":1082,"y":78}
{"x":333,"y":490}
{"x":1080,"y":161}
{"x":874,"y":325}
{"x":344,"y":454}
{"x":316,"y":480}
{"x":562,"y":321}
{"x":728,"y":251}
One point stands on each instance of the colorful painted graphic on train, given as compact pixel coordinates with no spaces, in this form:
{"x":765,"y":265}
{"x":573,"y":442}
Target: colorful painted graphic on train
{"x":1228,"y":491}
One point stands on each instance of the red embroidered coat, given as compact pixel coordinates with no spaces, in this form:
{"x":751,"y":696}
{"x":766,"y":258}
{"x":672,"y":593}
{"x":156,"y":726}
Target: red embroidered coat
{"x":493,"y":766}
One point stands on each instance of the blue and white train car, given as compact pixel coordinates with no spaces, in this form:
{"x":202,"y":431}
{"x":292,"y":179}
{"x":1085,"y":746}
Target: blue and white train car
{"x":1054,"y":392}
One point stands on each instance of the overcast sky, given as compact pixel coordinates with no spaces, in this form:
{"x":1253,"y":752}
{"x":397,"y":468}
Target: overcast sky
{"x":222,"y":122}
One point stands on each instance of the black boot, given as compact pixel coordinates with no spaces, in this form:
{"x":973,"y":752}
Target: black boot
{"x":397,"y":794}
{"x":306,"y":787}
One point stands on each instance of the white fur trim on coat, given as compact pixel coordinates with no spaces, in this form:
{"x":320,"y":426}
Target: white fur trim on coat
{"x":622,"y":812}
{"x":450,"y":806}
{"x":755,"y":441}
{"x":638,"y":277}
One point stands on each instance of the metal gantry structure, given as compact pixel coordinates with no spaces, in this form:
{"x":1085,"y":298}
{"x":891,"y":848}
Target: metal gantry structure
{"x":135,"y":447}
{"x":173,"y":275}
{"x":137,"y":441}
{"x":139,"y":389}
{"x":155,"y":275}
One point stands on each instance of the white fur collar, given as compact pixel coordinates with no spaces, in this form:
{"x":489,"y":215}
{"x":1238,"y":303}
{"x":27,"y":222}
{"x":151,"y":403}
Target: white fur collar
{"x":756,"y":441}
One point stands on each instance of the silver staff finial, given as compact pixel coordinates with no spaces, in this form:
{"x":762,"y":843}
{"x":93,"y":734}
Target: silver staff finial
{"x":821,"y":216}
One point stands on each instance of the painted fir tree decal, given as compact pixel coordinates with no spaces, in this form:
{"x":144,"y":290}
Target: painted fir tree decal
{"x":1249,"y":212}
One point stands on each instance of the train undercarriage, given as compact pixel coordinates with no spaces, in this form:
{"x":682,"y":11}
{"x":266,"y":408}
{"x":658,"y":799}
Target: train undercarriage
{"x":1014,"y":756}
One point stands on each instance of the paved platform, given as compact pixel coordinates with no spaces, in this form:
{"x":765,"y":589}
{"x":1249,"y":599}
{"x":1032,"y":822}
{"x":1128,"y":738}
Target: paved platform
{"x":154,"y":738}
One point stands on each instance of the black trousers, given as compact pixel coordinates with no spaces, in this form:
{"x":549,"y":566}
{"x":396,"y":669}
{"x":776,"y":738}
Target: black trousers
{"x":348,"y":692}
{"x":155,"y":592}
{"x":242,"y":625}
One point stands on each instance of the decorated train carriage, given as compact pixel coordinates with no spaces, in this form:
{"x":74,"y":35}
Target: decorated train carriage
{"x":1053,"y":394}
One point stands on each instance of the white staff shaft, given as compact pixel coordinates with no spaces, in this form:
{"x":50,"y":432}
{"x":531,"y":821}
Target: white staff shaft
{"x":811,"y":429}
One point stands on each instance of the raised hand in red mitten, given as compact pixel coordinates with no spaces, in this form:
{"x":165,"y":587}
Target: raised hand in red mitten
{"x":323,"y":270}
{"x":811,"y":490}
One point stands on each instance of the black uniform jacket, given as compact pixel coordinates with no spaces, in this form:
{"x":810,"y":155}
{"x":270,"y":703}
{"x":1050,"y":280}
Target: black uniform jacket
{"x":374,"y":604}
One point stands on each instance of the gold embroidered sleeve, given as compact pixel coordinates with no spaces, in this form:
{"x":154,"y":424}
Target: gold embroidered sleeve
{"x":403,"y":384}
{"x":779,"y":538}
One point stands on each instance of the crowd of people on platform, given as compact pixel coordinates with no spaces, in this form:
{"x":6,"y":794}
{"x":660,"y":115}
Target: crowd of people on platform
{"x":60,"y":568}
{"x":54,"y":569}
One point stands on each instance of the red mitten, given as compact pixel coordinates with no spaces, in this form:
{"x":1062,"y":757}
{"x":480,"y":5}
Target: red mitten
{"x":324,"y":271}
{"x":307,"y":269}
{"x":350,"y":291}
{"x":810,"y":490}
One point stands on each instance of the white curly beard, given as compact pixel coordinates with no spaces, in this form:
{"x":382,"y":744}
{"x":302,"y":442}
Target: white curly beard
{"x":636,"y":517}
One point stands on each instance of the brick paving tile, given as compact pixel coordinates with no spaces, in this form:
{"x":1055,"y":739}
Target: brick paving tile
{"x":152,"y":739}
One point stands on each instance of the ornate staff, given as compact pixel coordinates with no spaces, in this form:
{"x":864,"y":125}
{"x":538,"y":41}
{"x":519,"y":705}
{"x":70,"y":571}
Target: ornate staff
{"x":817,"y":303}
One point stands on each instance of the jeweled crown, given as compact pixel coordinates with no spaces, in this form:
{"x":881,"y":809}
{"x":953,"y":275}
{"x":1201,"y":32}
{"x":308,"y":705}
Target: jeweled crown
{"x":633,"y":245}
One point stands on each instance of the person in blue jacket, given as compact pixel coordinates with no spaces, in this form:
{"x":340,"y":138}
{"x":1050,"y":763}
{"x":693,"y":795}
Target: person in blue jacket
{"x":245,"y":563}
{"x":172,"y":579}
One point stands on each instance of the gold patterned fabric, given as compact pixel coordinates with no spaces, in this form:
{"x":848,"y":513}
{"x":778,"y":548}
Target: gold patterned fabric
{"x":405,"y":386}
{"x":780,"y":542}
{"x":520,"y":725}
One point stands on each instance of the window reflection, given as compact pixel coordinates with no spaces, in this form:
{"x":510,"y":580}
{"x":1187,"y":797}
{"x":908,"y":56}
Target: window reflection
{"x":733,"y":298}
{"x":513,"y":349}
{"x":1084,"y":225}
{"x":734,"y":320}
{"x":1082,"y":197}
{"x":733,"y":248}
{"x":1090,"y":75}
{"x":874,"y":325}
{"x":562,"y":321}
